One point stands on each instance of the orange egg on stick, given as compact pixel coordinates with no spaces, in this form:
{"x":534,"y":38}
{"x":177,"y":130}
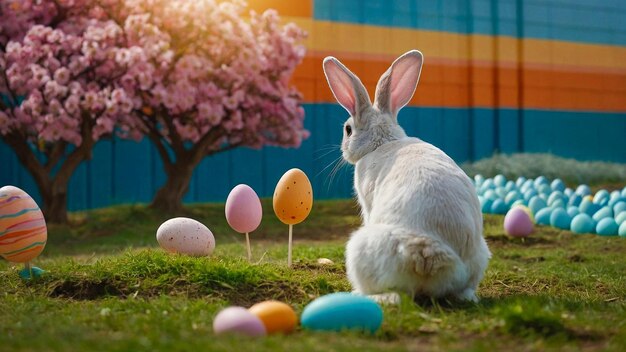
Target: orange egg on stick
{"x":293,"y":200}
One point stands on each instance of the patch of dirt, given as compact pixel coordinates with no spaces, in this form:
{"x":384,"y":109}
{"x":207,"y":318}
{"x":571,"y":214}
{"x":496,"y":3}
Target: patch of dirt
{"x":502,"y":240}
{"x":576,"y":258}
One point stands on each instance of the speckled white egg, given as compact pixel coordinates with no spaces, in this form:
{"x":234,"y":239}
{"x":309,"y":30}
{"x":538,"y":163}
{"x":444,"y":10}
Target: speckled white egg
{"x":186,"y":236}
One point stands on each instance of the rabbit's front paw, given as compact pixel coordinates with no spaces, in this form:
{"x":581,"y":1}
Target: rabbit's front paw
{"x":427,"y":255}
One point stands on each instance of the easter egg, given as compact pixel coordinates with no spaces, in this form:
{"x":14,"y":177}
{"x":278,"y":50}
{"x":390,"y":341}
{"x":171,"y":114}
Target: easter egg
{"x":572,"y":211}
{"x":536,"y":203}
{"x":560,"y":219}
{"x":520,"y":181}
{"x":541,"y":180}
{"x":575,"y":200}
{"x":243,"y":209}
{"x":622,"y":230}
{"x":588,"y":207}
{"x":554,"y":196}
{"x":621,"y":217}
{"x":601,"y":196}
{"x":490,"y":194}
{"x":499,"y":180}
{"x":542,"y":217}
{"x":568,"y":192}
{"x":499,"y":207}
{"x":527,"y":210}
{"x":510,"y":186}
{"x":583,"y":190}
{"x":479,"y":179}
{"x":485,"y":205}
{"x":604,"y":212}
{"x":238,"y":320}
{"x":557,"y":185}
{"x":607,"y":227}
{"x":23,"y":231}
{"x":293,"y":197}
{"x":582,"y":223}
{"x":501,"y":192}
{"x":544,"y":189}
{"x":511,"y":197}
{"x":558,"y":204}
{"x":529,"y":194}
{"x":619,"y":207}
{"x":517,"y":223}
{"x":342,"y":311}
{"x":277,"y":317}
{"x":186,"y":236}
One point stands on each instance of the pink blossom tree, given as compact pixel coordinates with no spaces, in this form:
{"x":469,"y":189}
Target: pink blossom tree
{"x":194,"y":76}
{"x":224,"y":84}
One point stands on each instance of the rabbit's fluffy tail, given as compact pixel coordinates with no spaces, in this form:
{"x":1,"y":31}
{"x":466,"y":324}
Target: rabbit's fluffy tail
{"x":427,"y":255}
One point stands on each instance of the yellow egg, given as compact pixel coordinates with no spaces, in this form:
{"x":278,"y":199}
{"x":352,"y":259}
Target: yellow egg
{"x":293,"y":197}
{"x":23,"y":231}
{"x":276,"y":316}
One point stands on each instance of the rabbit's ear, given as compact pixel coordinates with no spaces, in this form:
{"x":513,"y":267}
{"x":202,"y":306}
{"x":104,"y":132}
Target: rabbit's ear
{"x":396,"y":86}
{"x":346,"y":87}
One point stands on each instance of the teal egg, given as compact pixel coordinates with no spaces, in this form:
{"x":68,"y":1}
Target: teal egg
{"x":604,"y":212}
{"x":622,"y":230}
{"x":554,"y":196}
{"x":624,"y":192}
{"x":499,"y":180}
{"x":568,"y":192}
{"x":588,"y":207}
{"x":560,"y":219}
{"x":528,"y":184}
{"x":485,"y":205}
{"x":621,"y":217}
{"x":488,"y":184}
{"x":499,"y":207}
{"x":583,"y":190}
{"x":607,"y":227}
{"x":501,"y":192}
{"x":542,"y":217}
{"x":529,"y":194}
{"x":557,"y":185}
{"x":541,"y":180}
{"x":511,"y":197}
{"x":479,"y":179}
{"x":582,"y":223}
{"x":536,"y":204}
{"x":572,"y":211}
{"x":544,"y":189}
{"x":601,"y":196}
{"x":510,"y":185}
{"x":619,"y":207}
{"x":520,"y":181}
{"x":575,"y":200}
{"x":559,"y":203}
{"x":342,"y":311}
{"x":490,"y":194}
{"x":518,"y":202}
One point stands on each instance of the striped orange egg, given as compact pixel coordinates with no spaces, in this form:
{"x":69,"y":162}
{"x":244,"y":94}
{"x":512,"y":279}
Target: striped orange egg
{"x":23,"y":231}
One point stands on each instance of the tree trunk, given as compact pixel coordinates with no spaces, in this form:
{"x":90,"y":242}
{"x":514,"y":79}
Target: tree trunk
{"x":169,"y":198}
{"x":55,"y":204}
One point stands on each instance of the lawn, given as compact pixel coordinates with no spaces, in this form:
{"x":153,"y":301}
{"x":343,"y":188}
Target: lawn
{"x":109,"y":287}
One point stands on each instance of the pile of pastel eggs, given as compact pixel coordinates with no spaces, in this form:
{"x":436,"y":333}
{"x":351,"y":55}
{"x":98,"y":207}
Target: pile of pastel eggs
{"x":552,"y":203}
{"x":334,"y":312}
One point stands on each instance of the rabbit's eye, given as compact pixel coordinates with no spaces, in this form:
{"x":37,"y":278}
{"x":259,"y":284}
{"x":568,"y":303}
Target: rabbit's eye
{"x":348,"y":130}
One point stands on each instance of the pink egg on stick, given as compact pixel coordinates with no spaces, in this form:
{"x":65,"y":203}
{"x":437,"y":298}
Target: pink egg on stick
{"x":244,"y":212}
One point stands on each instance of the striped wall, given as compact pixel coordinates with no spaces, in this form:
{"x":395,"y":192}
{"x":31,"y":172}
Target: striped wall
{"x":509,"y":76}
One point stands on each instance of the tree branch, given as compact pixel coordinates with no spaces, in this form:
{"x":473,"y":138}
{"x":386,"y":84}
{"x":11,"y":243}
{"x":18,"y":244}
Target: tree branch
{"x":57,"y":152}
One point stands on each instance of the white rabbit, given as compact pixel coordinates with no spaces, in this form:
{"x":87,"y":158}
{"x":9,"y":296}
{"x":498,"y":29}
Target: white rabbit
{"x":422,"y":223}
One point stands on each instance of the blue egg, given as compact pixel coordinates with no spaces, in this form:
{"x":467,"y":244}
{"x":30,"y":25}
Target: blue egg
{"x":541,"y":180}
{"x":624,"y":192}
{"x":607,"y":227}
{"x":512,"y":197}
{"x":520,"y":181}
{"x":583,"y":190}
{"x":499,"y":180}
{"x":588,"y":207}
{"x":560,"y":219}
{"x":528,"y":184}
{"x":622,"y":230}
{"x":501,"y":192}
{"x":554,"y":196}
{"x":575,"y":200}
{"x":529,"y":194}
{"x":559,"y":203}
{"x":613,"y":203}
{"x":518,"y":202}
{"x":542,"y":217}
{"x":568,"y":192}
{"x":605,"y":212}
{"x":536,"y":204}
{"x":490,"y":194}
{"x":572,"y":211}
{"x":510,"y":186}
{"x":479,"y":179}
{"x":342,"y":311}
{"x":621,"y":217}
{"x":600,"y":196}
{"x":557,"y":185}
{"x":488,"y":184}
{"x":485,"y":205}
{"x":544,"y":189}
{"x":582,"y":223}
{"x":499,"y":207}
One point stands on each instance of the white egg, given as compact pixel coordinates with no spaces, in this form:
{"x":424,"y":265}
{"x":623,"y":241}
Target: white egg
{"x":186,"y":236}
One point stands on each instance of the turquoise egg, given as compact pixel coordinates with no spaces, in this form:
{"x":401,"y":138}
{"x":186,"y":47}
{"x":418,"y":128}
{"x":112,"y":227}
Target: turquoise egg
{"x":582,"y":223}
{"x":601,"y":196}
{"x":575,"y":200}
{"x":541,"y":180}
{"x":544,"y":189}
{"x":542,"y":217}
{"x":557,"y":185}
{"x":529,"y":194}
{"x":607,"y":227}
{"x":528,"y":184}
{"x":518,"y":202}
{"x":568,"y":192}
{"x":604,"y":212}
{"x":520,"y":181}
{"x":342,"y":311}
{"x":619,"y":207}
{"x":485,"y":205}
{"x":499,"y":207}
{"x":583,"y":190}
{"x":559,"y":203}
{"x":554,"y":196}
{"x":588,"y":207}
{"x":510,"y":185}
{"x":499,"y":180}
{"x":536,"y":204}
{"x":624,"y":192}
{"x":572,"y":211}
{"x":479,"y":179}
{"x":488,"y":184}
{"x":622,"y":230}
{"x":560,"y":219}
{"x":512,"y":197}
{"x":621,"y":217}
{"x":501,"y":192}
{"x":490,"y":194}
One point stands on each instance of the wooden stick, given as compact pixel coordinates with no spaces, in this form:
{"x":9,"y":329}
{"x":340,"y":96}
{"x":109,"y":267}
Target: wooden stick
{"x":248,"y":244}
{"x":30,"y":270}
{"x":290,"y":244}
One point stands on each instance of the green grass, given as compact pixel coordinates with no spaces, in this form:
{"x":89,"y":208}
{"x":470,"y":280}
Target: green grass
{"x":109,"y":287}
